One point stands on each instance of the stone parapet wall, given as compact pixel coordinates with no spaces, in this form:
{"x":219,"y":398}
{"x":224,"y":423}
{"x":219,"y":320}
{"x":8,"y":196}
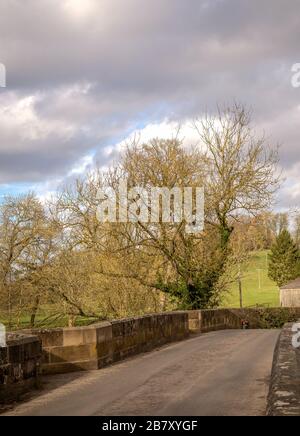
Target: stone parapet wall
{"x":98,"y":345}
{"x":203,"y":321}
{"x":284,"y":394}
{"x":63,"y":350}
{"x":19,"y":366}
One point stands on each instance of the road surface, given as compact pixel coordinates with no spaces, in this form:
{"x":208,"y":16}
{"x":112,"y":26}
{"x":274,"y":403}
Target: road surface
{"x":216,"y":374}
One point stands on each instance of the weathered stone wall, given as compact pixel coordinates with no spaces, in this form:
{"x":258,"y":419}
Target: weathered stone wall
{"x":98,"y":345}
{"x":203,"y":321}
{"x":19,"y":366}
{"x":93,"y":347}
{"x":84,"y":348}
{"x":284,"y":394}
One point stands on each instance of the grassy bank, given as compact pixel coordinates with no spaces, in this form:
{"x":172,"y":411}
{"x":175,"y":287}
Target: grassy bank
{"x":258,"y":289}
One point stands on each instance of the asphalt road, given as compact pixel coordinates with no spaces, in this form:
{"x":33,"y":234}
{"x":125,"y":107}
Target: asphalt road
{"x":216,"y":374}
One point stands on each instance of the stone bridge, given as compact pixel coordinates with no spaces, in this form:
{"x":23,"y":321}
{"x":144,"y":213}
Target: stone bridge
{"x":223,"y":372}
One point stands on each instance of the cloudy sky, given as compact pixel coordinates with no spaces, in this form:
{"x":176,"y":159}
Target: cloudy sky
{"x":83,"y":75}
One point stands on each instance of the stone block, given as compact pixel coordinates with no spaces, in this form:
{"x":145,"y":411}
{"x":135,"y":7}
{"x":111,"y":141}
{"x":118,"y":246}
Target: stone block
{"x":79,"y":336}
{"x":50,"y":337}
{"x":19,"y":366}
{"x":73,"y":353}
{"x":284,"y":393}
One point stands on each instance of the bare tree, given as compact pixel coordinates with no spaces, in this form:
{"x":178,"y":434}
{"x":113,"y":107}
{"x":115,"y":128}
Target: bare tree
{"x":21,"y":226}
{"x":242,"y":170}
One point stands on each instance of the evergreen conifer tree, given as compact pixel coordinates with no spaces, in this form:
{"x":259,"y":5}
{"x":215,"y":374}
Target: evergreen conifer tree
{"x":284,"y":260}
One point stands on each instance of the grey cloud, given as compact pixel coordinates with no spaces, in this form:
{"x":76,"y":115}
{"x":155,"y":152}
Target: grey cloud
{"x":135,"y":61}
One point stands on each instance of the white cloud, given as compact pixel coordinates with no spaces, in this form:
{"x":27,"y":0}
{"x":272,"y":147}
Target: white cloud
{"x":20,"y":121}
{"x":166,"y":129}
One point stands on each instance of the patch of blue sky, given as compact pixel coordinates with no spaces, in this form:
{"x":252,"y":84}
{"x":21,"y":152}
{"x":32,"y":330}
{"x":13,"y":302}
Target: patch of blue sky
{"x":14,"y":189}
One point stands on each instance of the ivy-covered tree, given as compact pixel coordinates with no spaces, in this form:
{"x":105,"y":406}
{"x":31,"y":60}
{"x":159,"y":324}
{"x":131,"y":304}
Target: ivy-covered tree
{"x":284,"y":260}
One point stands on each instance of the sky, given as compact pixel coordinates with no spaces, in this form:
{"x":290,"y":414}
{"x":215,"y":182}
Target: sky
{"x":84,"y":75}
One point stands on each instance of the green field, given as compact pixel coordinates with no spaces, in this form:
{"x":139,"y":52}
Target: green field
{"x":43,"y":320}
{"x":258,"y":289}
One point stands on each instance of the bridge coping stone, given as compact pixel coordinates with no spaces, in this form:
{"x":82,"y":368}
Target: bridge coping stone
{"x":284,"y":394}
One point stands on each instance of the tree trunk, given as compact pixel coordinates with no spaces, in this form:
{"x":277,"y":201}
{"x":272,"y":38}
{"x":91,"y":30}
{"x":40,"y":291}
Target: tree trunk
{"x":34,"y":311}
{"x":71,"y":320}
